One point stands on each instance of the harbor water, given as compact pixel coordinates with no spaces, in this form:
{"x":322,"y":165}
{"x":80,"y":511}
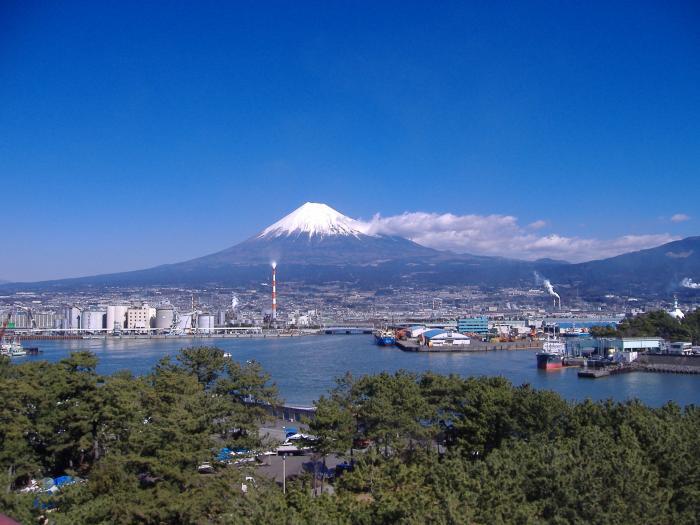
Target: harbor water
{"x":306,"y":367}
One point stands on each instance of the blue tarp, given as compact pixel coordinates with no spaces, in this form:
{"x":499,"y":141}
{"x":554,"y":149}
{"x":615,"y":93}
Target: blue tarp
{"x":63,"y":480}
{"x":224,"y":454}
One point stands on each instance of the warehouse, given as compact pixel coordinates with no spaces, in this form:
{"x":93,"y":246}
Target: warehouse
{"x":443,"y":338}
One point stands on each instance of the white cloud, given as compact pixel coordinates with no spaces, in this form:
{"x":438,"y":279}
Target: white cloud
{"x":537,"y":225}
{"x":502,"y":235}
{"x":680,"y":217}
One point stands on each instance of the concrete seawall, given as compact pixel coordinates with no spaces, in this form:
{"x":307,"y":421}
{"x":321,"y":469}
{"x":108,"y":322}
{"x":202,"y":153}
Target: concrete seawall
{"x":474,"y":346}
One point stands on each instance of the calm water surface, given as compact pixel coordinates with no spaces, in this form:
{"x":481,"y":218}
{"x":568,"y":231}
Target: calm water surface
{"x":305,"y":367}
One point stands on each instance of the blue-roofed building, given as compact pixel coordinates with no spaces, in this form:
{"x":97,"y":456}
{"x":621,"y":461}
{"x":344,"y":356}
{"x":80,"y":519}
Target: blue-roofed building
{"x":473,"y":325}
{"x":439,"y":337}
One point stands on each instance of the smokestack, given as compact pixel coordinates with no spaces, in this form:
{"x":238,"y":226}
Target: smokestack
{"x":274,"y":291}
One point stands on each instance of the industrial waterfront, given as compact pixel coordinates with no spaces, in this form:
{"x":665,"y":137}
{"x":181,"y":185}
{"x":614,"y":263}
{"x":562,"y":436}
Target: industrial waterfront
{"x":306,"y":367}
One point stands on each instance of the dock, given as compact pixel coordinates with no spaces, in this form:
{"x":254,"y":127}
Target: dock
{"x":595,"y":373}
{"x":412,"y":345}
{"x":654,"y":363}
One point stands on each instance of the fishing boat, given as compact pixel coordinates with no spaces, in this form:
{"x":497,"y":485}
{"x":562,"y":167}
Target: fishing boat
{"x":384,"y":337}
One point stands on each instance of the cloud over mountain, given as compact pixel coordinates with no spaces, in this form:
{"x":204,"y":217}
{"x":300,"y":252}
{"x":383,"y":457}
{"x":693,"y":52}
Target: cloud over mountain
{"x":680,"y":217}
{"x":503,"y":235}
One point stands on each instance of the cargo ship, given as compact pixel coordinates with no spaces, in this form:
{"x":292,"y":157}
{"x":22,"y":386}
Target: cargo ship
{"x":384,"y":337}
{"x":551,"y":356}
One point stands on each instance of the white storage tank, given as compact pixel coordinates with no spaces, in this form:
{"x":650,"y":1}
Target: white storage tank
{"x":72,"y":315}
{"x":116,"y":316}
{"x":165,"y":317}
{"x":205,"y":323}
{"x":92,"y":320}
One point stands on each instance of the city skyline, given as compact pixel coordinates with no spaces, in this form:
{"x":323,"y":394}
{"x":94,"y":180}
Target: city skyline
{"x":135,"y":136}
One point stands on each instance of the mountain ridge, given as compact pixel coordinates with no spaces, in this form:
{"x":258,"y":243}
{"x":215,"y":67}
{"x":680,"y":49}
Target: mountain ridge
{"x":317,"y":244}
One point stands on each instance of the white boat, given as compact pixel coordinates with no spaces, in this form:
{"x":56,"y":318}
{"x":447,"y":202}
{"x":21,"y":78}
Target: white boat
{"x":227,"y":354}
{"x":12,"y":349}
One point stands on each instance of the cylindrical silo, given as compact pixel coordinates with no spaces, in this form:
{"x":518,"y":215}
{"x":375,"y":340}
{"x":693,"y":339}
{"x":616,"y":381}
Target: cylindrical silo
{"x":92,"y":320}
{"x":165,"y":317}
{"x":116,"y":316}
{"x":205,"y":323}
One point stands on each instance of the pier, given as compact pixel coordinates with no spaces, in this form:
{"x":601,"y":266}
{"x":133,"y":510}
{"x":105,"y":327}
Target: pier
{"x":655,"y":363}
{"x":412,"y":345}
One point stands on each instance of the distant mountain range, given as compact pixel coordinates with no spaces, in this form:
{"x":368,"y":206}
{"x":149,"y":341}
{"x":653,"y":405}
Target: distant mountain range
{"x":317,"y":244}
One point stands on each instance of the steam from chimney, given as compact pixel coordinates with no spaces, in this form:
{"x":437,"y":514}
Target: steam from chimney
{"x":689,"y":283}
{"x":234,"y":302}
{"x":548,"y":286}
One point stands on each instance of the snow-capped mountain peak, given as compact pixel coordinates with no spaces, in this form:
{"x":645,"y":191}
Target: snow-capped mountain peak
{"x":314,"y":219}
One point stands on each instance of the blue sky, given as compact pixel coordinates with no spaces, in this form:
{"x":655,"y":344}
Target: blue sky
{"x":132,"y":134}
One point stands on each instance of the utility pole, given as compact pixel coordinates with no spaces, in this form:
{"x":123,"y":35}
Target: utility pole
{"x":284,"y":473}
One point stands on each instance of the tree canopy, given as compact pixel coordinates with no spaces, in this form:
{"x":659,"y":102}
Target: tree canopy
{"x":434,"y":449}
{"x":655,"y":324}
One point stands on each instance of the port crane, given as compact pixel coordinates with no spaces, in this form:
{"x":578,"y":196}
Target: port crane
{"x":4,"y":326}
{"x":30,"y":315}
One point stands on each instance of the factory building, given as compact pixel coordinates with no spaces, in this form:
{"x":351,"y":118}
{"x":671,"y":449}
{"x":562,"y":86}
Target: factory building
{"x":415,"y":331}
{"x":473,"y":325}
{"x":44,"y":320}
{"x":20,"y":320}
{"x":138,"y":317}
{"x":604,"y":346}
{"x":507,"y":327}
{"x":439,"y":337}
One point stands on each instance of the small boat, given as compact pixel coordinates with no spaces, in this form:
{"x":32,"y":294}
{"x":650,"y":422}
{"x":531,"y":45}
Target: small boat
{"x":552,"y":355}
{"x":15,"y":349}
{"x":12,"y":349}
{"x":384,"y":337}
{"x":227,"y":354}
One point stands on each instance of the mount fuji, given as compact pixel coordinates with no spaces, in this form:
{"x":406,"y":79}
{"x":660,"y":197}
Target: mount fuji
{"x":316,"y":244}
{"x":317,"y":234}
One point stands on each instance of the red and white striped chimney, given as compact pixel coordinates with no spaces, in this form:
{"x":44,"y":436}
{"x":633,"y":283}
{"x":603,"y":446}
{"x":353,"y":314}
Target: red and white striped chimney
{"x":274,"y":290}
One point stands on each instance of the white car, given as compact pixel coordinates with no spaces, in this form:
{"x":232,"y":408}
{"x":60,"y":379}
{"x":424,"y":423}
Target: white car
{"x":205,"y":468}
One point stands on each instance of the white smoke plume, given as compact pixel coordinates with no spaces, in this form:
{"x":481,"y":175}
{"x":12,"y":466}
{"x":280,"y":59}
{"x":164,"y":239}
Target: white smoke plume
{"x":234,"y":302}
{"x":689,"y":283}
{"x":547,"y":286}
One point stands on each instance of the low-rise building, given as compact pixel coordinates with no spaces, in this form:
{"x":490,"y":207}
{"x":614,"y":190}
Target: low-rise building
{"x":473,"y":325}
{"x":439,"y":337}
{"x":606,"y":346}
{"x":138,"y":318}
{"x":680,"y":348}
